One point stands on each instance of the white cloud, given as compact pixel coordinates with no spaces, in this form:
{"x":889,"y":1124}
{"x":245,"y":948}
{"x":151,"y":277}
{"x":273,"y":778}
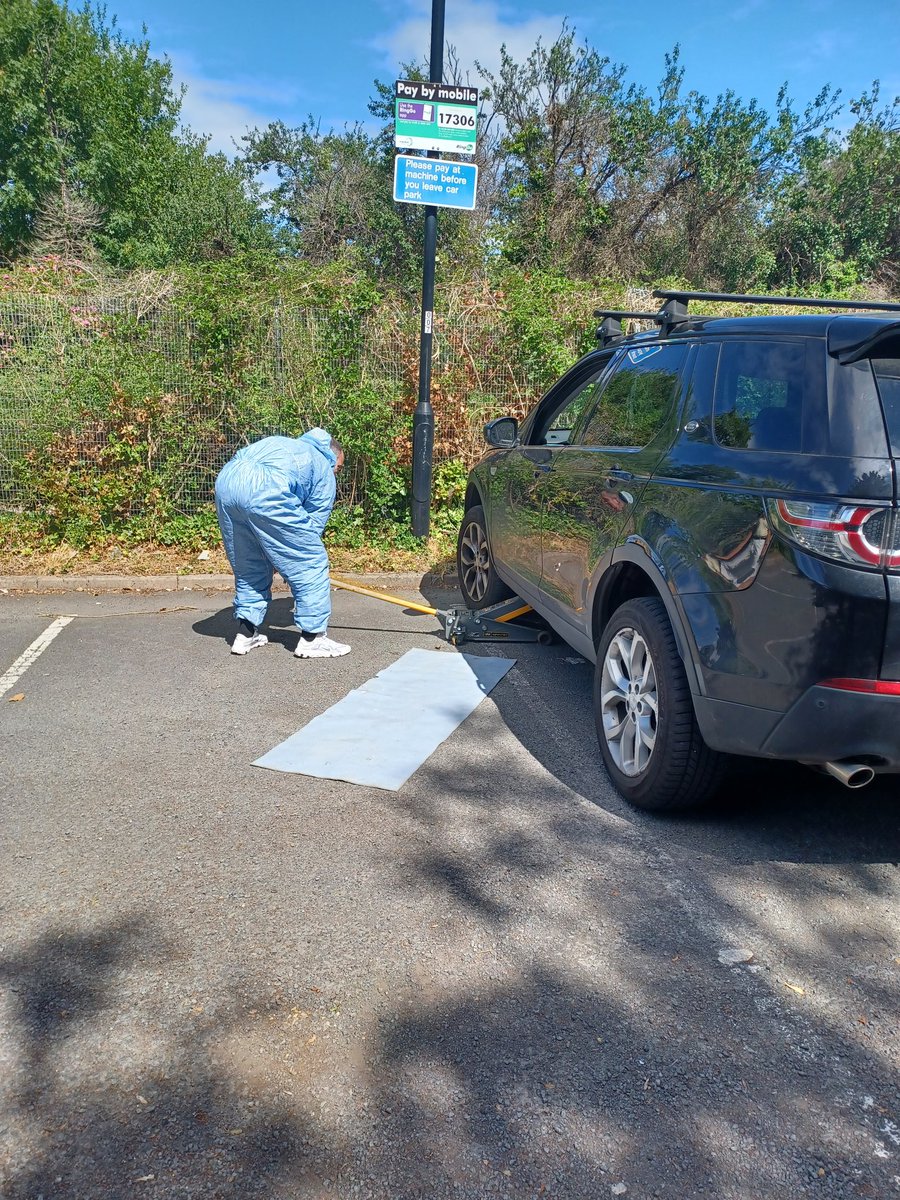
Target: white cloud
{"x":475,"y":28}
{"x":818,"y":50}
{"x":750,"y":8}
{"x":223,"y":110}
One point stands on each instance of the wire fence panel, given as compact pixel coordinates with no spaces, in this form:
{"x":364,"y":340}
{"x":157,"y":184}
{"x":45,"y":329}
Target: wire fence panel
{"x":147,"y":396}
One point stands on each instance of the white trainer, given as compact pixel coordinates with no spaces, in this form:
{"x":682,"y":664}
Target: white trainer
{"x":321,"y":646}
{"x":245,"y":642}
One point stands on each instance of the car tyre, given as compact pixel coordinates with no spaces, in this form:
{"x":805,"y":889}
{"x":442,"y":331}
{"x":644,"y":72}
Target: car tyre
{"x":649,"y":738}
{"x":479,"y":582}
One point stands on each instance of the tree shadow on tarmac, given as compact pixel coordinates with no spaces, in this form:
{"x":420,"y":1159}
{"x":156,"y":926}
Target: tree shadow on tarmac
{"x":608,"y":1011}
{"x":100,"y":1101}
{"x":548,"y":1076}
{"x":561,"y":1025}
{"x":561,"y":1031}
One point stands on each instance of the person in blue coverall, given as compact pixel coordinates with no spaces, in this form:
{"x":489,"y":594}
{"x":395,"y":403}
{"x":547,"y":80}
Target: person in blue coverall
{"x":273,"y":500}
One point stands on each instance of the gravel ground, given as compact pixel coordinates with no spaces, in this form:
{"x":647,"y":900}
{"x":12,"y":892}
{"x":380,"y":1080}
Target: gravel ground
{"x":222,"y":982}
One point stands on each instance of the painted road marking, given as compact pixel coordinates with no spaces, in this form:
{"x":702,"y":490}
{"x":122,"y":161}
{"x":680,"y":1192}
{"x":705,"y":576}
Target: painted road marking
{"x":34,"y":651}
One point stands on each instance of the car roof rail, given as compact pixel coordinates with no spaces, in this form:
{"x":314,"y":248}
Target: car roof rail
{"x":610,"y":329}
{"x":682,"y":299}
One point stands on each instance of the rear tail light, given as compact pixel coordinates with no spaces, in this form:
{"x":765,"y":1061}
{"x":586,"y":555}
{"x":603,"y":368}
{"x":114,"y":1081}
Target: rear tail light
{"x":873,"y":687}
{"x":849,"y":533}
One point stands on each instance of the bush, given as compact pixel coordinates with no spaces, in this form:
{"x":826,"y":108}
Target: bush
{"x":118,"y":407}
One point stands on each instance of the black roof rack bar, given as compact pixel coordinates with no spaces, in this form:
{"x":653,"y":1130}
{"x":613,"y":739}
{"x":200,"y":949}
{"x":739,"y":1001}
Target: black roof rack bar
{"x":798,"y":301}
{"x":621,"y":315}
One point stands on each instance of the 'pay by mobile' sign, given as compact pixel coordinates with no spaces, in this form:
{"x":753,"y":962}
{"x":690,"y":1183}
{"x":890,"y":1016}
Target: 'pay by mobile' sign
{"x":435,"y":116}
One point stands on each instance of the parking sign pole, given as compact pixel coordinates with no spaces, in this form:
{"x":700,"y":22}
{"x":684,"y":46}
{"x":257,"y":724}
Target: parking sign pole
{"x":423,"y":418}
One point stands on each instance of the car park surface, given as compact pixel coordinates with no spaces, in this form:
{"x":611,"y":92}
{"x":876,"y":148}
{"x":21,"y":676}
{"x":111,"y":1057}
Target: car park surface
{"x":500,"y":981}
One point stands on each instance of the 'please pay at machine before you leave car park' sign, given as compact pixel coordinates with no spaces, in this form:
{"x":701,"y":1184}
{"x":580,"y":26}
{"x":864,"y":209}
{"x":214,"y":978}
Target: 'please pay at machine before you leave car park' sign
{"x":435,"y":116}
{"x":435,"y":181}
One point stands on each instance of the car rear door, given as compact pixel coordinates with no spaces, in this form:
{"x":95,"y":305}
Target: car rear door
{"x":590,"y":491}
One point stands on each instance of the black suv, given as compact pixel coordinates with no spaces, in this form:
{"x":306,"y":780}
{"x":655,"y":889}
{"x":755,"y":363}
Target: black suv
{"x":709,"y":512}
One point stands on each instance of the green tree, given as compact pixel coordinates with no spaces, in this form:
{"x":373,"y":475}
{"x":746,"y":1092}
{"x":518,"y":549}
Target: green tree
{"x":572,"y":136}
{"x":210,"y":209}
{"x":332,"y":197}
{"x":598,"y":177}
{"x":837,"y":221}
{"x":90,"y":154}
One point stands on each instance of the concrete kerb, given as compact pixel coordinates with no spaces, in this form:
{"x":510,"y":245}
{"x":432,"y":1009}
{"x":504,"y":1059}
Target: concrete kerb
{"x":98,"y":584}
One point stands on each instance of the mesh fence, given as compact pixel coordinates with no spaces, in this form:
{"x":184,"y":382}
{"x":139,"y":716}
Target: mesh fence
{"x":103,"y":382}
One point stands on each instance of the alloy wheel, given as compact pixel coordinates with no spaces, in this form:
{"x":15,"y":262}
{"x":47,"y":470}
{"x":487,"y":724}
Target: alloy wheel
{"x":475,"y":559}
{"x":629,"y":702}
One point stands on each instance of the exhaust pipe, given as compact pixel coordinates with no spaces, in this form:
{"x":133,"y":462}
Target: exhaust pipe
{"x":850,"y":774}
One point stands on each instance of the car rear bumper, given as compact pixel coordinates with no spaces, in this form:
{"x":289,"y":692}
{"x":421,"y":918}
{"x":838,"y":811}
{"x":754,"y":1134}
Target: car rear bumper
{"x":824,"y":725}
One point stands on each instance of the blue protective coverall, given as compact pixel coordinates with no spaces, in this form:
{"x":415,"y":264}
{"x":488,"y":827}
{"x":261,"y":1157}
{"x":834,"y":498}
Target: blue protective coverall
{"x":273,"y":500}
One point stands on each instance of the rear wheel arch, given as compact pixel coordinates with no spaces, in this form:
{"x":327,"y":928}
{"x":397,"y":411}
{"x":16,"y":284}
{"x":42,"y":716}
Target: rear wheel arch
{"x":623,"y":581}
{"x":634,"y":574}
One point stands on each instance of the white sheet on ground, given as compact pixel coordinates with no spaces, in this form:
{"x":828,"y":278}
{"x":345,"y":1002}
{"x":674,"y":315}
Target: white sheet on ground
{"x":382,"y":732}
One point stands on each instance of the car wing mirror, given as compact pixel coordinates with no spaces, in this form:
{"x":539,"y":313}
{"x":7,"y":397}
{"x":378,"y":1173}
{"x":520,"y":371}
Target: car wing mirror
{"x":502,"y":433}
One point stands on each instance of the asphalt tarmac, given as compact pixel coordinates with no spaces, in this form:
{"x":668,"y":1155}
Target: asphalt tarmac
{"x":222,"y":982}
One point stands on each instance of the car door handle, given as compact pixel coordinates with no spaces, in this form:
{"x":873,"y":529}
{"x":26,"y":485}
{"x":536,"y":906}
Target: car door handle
{"x":617,"y":473}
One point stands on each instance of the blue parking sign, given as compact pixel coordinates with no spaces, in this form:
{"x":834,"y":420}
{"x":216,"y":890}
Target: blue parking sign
{"x":435,"y":181}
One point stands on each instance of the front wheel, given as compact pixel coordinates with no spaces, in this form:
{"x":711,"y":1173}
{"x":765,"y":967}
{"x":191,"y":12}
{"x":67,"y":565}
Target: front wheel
{"x":479,"y":582}
{"x":648,"y":734}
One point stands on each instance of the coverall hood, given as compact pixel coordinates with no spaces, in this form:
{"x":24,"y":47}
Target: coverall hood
{"x":321,"y":439}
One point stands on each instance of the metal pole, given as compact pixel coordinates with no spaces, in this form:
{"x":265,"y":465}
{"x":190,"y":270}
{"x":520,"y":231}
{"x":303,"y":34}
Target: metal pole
{"x":423,"y":418}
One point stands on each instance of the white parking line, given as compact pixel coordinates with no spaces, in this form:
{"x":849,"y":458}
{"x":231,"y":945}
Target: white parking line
{"x":34,"y":651}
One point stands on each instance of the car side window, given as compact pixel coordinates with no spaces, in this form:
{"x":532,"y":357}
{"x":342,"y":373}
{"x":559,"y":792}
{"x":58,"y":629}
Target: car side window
{"x":637,"y":398}
{"x":887,"y":373}
{"x":759,"y":393}
{"x":555,"y":428}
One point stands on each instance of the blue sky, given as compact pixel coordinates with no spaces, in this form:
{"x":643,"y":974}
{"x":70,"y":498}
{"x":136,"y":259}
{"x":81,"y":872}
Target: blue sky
{"x":246,"y":64}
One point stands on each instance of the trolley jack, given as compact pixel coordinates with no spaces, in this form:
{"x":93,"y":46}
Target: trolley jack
{"x":461,"y":624}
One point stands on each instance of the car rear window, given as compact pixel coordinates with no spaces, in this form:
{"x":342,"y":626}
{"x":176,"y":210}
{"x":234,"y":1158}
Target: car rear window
{"x":855,"y":425}
{"x":761,"y":387}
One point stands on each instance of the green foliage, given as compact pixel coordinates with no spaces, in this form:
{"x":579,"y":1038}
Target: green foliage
{"x":600,"y":178}
{"x":837,"y":222}
{"x":90,"y":155}
{"x":332,"y":196}
{"x":582,"y":175}
{"x":194,"y":532}
{"x":81,"y":109}
{"x":249,"y":311}
{"x":547,"y":315}
{"x":210,"y":210}
{"x":97,"y":477}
